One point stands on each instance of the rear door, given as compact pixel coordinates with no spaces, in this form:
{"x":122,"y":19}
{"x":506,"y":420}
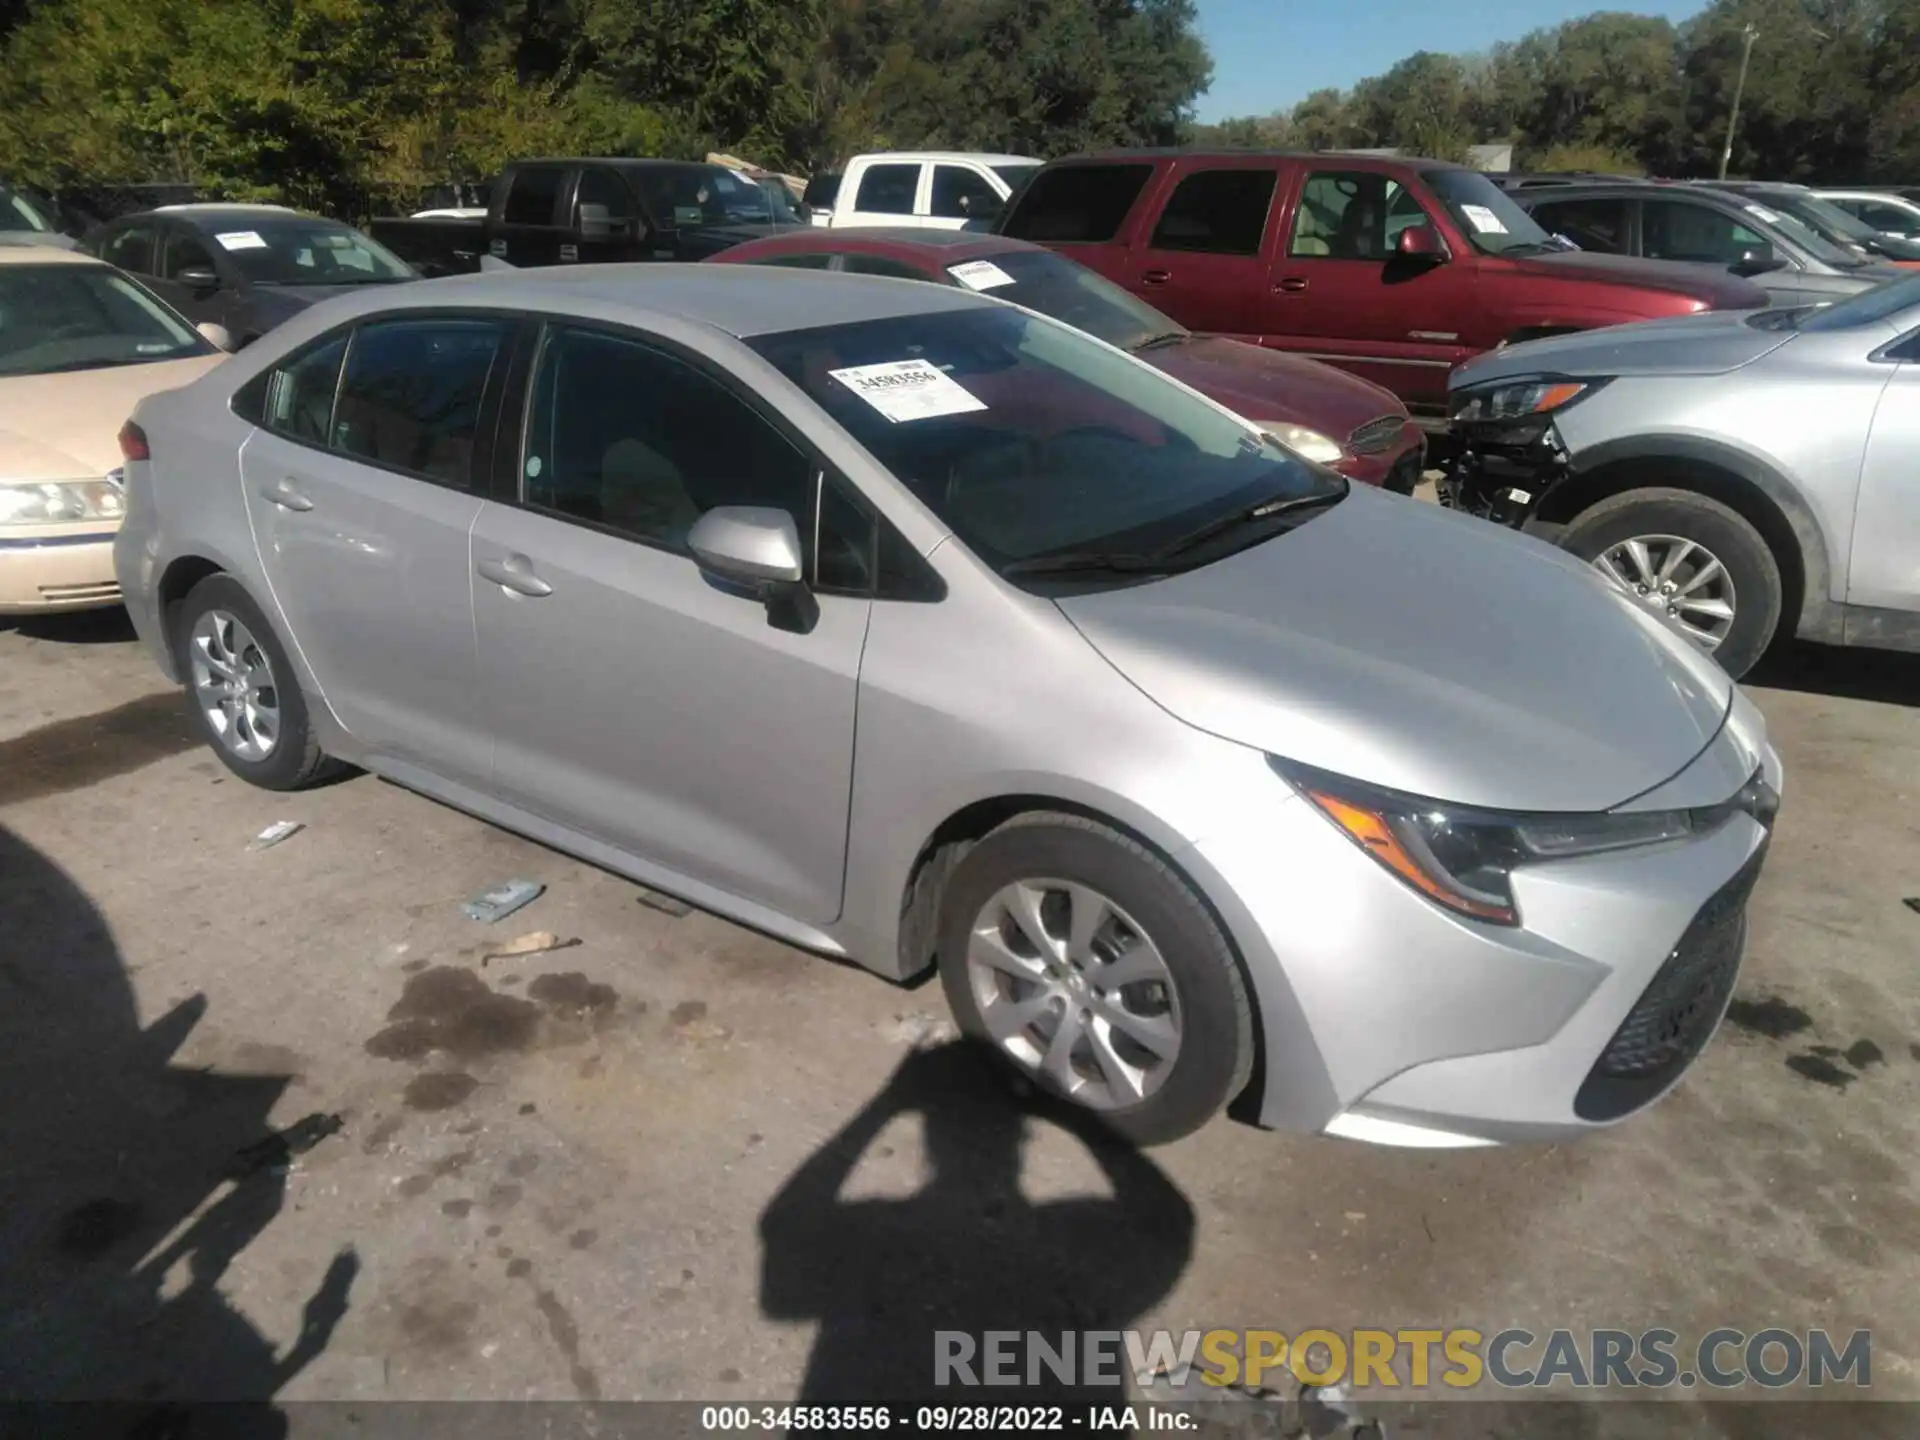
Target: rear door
{"x":361,"y":488}
{"x":886,"y":192}
{"x":1340,"y":291}
{"x":1204,"y":258}
{"x":532,"y":223}
{"x":1083,"y":211}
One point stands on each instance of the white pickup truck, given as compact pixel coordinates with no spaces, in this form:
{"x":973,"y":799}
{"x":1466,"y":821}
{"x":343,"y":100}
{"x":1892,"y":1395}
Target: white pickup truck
{"x":926,"y":189}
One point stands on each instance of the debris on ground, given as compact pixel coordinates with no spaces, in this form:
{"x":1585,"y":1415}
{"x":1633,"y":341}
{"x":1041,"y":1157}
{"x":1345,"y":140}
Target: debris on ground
{"x":1912,"y":902}
{"x":277,"y":1150}
{"x":665,"y":904}
{"x":501,"y":901}
{"x":275,"y":833}
{"x":534,"y":942}
{"x":919,"y":1028}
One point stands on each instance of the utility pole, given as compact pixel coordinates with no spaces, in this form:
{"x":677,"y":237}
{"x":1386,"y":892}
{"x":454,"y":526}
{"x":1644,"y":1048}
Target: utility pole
{"x":1739,"y":88}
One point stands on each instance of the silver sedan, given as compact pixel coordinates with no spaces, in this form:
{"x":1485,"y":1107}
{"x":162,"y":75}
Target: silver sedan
{"x":916,"y":628}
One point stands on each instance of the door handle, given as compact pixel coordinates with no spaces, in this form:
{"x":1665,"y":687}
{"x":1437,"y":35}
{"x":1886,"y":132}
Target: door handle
{"x":1293,"y":284}
{"x":286,"y":495}
{"x":515,"y":573}
{"x":1155,"y":277}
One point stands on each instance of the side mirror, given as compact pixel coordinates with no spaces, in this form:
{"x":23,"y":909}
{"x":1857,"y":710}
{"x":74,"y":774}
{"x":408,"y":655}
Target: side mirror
{"x":1758,"y":260}
{"x":757,"y":549}
{"x":217,"y":336}
{"x":1421,"y":242}
{"x":198,"y":278}
{"x":597,"y":223}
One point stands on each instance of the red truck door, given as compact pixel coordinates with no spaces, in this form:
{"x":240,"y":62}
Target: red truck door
{"x":1341,"y":292}
{"x":1202,"y":257}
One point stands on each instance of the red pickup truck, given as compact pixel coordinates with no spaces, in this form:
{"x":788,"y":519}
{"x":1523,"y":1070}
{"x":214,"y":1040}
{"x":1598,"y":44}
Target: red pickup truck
{"x":1395,"y":269}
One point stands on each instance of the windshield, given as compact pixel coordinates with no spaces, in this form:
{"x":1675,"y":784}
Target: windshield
{"x":307,"y":252}
{"x":1070,"y":293}
{"x":1882,"y":305}
{"x":84,"y":317}
{"x":1487,"y":216}
{"x":16,"y":213}
{"x":1031,"y":440}
{"x":1805,"y":236}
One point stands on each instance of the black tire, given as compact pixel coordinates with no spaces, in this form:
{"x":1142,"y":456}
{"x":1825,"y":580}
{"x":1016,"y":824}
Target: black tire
{"x":1216,"y":1051}
{"x":1749,"y":562}
{"x":296,"y":759}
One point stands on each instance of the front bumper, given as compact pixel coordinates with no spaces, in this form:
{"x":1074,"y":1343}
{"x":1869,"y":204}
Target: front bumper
{"x":1502,"y":472}
{"x":1428,"y":1029}
{"x":46,"y":574}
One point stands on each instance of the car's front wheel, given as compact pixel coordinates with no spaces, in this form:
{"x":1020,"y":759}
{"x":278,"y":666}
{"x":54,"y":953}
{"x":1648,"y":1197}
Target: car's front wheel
{"x":1090,"y":965}
{"x":1691,"y":560}
{"x":242,"y":688}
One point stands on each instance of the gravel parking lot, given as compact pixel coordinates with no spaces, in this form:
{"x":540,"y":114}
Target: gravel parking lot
{"x":610,"y":1171}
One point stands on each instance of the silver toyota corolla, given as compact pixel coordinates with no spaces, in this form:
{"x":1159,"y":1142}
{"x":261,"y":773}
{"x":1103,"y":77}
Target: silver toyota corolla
{"x":914,"y":627}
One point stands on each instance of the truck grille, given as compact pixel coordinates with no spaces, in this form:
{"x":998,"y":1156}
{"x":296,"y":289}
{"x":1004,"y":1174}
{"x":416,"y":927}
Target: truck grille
{"x":1673,"y":1018}
{"x":1376,"y":436}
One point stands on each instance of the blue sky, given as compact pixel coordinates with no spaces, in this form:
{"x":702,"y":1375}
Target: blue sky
{"x":1269,"y":53}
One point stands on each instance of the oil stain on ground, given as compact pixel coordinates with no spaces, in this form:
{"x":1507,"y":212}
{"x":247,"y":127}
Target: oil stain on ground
{"x":73,"y":754}
{"x":1772,"y":1017}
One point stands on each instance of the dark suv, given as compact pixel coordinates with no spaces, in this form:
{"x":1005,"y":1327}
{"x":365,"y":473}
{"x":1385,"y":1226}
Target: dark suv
{"x":1712,"y":228}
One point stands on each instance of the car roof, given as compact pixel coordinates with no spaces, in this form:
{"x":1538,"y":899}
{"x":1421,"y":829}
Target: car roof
{"x":43,"y":254}
{"x":980,"y":157}
{"x":738,"y":300}
{"x":952,"y":245}
{"x":1625,"y":190}
{"x":1175,"y":152}
{"x":214,"y":207}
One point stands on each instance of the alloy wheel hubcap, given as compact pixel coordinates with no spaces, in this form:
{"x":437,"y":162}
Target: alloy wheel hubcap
{"x":234,"y":686}
{"x":1072,"y":987}
{"x":1679,"y":580}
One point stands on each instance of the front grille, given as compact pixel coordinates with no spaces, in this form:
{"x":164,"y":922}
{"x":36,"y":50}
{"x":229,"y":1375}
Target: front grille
{"x":1376,"y":436}
{"x":103,"y":590}
{"x":1677,"y":1012}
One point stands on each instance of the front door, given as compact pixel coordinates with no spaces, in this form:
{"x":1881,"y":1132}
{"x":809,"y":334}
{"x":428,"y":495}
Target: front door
{"x":1202,"y":261}
{"x":362,"y":498}
{"x":1885,"y":573}
{"x":606,"y":223}
{"x":1341,"y":292}
{"x":189,"y":277}
{"x":631,"y":698}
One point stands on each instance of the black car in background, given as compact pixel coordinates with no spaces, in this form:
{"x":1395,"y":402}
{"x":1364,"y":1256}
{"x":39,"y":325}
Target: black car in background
{"x":1706,"y":226}
{"x":245,"y":267}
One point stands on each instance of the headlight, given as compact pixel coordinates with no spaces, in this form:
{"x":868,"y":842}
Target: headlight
{"x":1519,"y":399}
{"x":1310,"y":444}
{"x":1464,"y":859}
{"x":59,"y":502}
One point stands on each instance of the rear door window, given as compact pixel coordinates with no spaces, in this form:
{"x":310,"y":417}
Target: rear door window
{"x":1592,"y":224}
{"x":888,"y":189}
{"x":533,"y":195}
{"x":881,"y":265}
{"x":410,"y":397}
{"x":1216,"y":212}
{"x":1077,"y":204}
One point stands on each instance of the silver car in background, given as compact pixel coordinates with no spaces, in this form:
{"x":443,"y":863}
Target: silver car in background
{"x":916,"y":628}
{"x":1746,"y":476}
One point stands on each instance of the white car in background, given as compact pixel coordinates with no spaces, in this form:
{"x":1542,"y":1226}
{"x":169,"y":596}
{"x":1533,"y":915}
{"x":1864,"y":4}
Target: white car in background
{"x":1888,"y":213}
{"x":927,"y":189}
{"x":80,"y":345}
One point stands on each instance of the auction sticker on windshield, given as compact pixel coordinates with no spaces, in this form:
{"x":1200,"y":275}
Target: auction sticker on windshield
{"x":241,"y":240}
{"x":1760,"y":212}
{"x":1483,"y":220}
{"x":980,"y":275}
{"x":908,"y":390}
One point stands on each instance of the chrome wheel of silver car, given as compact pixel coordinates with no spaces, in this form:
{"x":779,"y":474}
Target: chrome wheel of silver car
{"x":1069,"y":985}
{"x":234,"y":685}
{"x":1678,"y":579}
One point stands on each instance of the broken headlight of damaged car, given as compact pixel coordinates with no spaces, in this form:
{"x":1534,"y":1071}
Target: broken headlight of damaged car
{"x":1464,"y":858}
{"x":1509,"y":455}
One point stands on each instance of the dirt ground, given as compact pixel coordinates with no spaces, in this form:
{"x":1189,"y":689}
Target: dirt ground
{"x":678,"y":1160}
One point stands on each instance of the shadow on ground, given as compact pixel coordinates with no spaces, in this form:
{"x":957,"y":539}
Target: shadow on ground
{"x":1888,"y":676}
{"x":118,"y":1216}
{"x":78,"y":627}
{"x":968,"y":1252}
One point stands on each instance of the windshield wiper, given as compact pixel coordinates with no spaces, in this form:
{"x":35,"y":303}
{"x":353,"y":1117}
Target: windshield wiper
{"x":1247,"y":515}
{"x":1535,"y":247}
{"x":1160,"y":341}
{"x":1072,"y":562}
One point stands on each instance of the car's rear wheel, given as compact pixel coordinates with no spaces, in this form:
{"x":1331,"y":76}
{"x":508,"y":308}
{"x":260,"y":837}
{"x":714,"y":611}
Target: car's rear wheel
{"x":1691,"y":560}
{"x":242,"y":688}
{"x":1086,"y":962}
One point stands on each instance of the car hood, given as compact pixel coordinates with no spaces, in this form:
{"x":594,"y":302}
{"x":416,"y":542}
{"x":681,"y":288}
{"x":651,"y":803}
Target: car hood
{"x":698,"y":242}
{"x":1717,"y":288}
{"x":1712,"y":343}
{"x":1424,"y":651}
{"x":1272,"y":385}
{"x":67,"y":426}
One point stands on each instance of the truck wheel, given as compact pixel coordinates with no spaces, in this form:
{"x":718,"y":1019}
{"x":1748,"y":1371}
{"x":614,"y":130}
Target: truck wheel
{"x":1690,"y":560}
{"x":1091,"y":966}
